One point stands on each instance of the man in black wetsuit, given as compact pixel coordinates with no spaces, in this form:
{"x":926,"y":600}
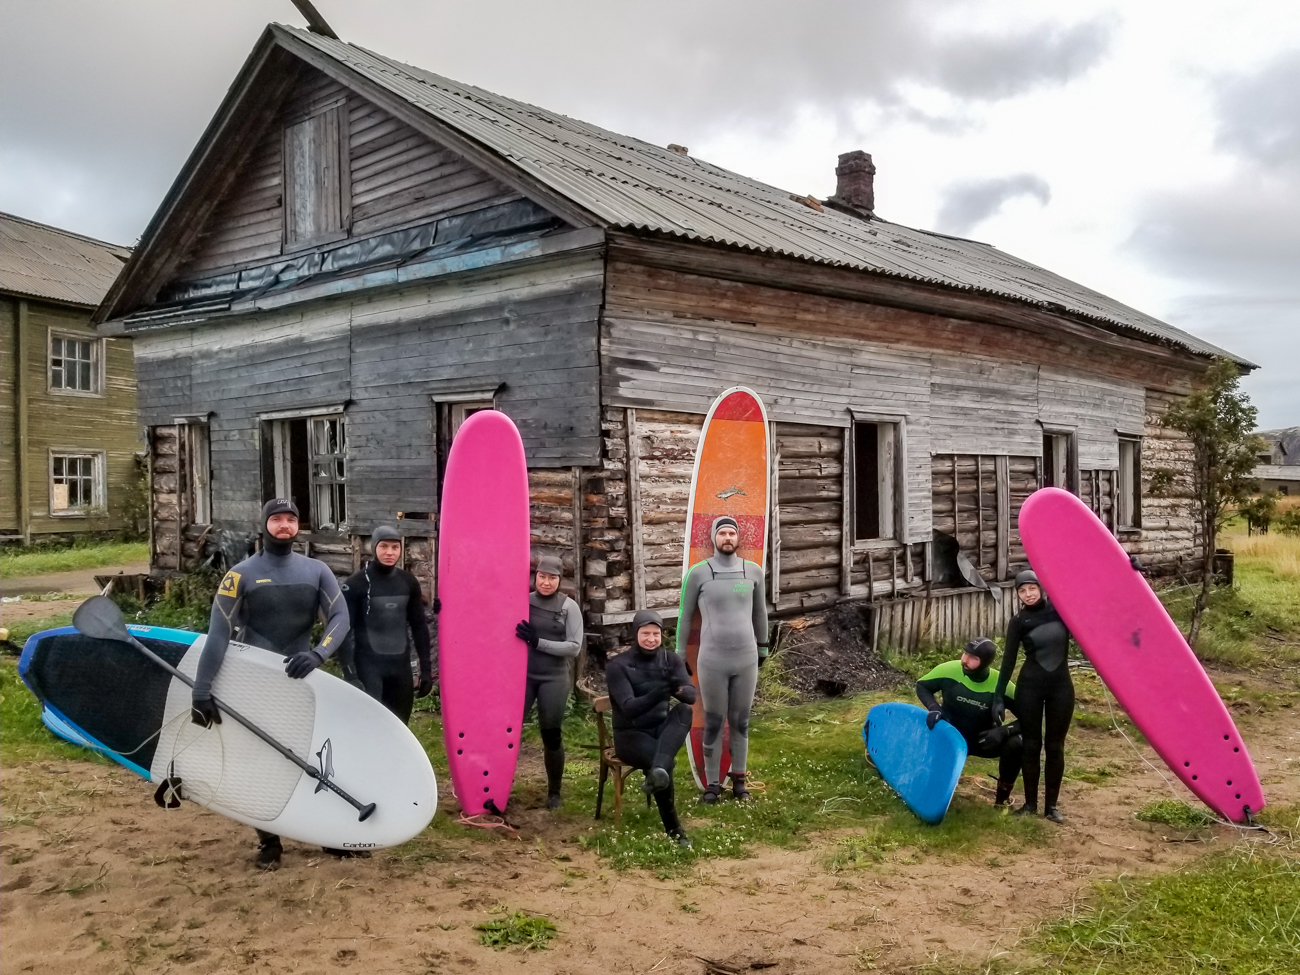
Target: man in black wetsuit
{"x":384,"y":602}
{"x":271,"y":600}
{"x":1044,"y":692}
{"x":553,"y":632}
{"x":968,"y":689}
{"x":649,"y":729}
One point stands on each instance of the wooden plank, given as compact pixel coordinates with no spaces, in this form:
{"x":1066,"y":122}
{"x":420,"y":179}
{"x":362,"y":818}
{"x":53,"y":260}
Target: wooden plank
{"x":979,"y":507}
{"x":634,"y":509}
{"x":1002,"y":476}
{"x":774,"y":534}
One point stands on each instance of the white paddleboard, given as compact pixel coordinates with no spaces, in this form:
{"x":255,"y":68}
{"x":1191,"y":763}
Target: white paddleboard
{"x":336,"y":727}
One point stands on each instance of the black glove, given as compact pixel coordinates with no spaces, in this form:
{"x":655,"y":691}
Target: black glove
{"x":302,"y":663}
{"x":423,"y":688}
{"x":998,"y":709}
{"x":994,"y":737}
{"x":526,"y":632}
{"x":203,"y":712}
{"x":933,"y":717}
{"x":437,"y":605}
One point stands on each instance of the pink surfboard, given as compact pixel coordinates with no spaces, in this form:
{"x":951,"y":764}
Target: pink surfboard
{"x":483,"y":559}
{"x":1138,"y":651}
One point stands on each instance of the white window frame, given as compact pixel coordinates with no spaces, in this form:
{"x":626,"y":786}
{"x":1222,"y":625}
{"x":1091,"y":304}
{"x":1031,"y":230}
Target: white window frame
{"x":892,"y":468}
{"x":98,"y":502}
{"x":1128,"y":486}
{"x":281,"y":461}
{"x":96,"y":363}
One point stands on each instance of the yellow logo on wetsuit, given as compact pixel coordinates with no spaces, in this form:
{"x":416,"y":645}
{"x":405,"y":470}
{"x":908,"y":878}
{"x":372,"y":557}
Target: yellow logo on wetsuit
{"x":229,"y":585}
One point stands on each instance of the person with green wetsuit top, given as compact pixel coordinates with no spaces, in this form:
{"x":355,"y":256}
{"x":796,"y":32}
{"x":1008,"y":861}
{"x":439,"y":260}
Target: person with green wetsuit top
{"x":385,"y":604}
{"x":1044,"y":692}
{"x":967,"y":689}
{"x":553,"y":632}
{"x":728,"y":592}
{"x":271,"y":600}
{"x":650,"y":696}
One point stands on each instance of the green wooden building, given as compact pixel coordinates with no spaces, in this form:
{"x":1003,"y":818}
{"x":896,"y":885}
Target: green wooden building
{"x":69,"y":433}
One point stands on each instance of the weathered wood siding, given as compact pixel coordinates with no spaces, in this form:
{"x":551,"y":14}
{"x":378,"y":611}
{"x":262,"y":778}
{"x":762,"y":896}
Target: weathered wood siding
{"x":807,"y":567}
{"x":986,"y":494}
{"x":531,"y":328}
{"x":1170,"y":537}
{"x":62,"y":421}
{"x":396,"y":178}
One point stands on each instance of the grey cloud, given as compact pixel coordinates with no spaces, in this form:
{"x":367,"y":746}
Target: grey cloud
{"x":968,"y":204}
{"x":120,"y":92}
{"x":1260,"y":114}
{"x":1001,"y":66}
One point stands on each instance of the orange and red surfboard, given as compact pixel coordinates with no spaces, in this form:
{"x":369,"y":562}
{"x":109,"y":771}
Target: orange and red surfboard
{"x":731,"y":477}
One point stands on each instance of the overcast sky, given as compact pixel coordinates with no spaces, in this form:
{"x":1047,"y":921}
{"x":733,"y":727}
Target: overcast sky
{"x":1150,"y":150}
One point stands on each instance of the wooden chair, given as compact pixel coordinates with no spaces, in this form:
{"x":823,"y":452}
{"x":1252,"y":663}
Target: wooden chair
{"x":609,"y":762}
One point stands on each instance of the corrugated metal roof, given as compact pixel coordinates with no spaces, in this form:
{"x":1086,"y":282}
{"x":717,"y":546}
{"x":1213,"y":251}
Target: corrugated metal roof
{"x":41,"y":261}
{"x":634,"y":185}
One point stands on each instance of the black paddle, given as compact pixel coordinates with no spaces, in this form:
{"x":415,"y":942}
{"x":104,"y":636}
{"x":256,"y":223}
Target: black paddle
{"x":99,"y":617}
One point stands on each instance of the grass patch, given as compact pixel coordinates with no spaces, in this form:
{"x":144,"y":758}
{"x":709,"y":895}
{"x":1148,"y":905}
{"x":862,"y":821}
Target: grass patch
{"x":816,"y":779}
{"x":518,"y":930}
{"x":1175,"y":813}
{"x":20,"y":630}
{"x":17,"y":563}
{"x":23,"y":738}
{"x":1233,"y":913}
{"x":969,"y":827}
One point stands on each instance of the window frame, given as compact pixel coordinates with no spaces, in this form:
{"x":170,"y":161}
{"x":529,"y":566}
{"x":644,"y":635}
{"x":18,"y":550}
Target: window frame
{"x":1132,"y":490}
{"x":97,"y":350}
{"x":333,"y":485}
{"x":893,"y":509}
{"x":98,"y":502}
{"x":1070,"y":434}
{"x":342,"y":165}
{"x":276,"y":427}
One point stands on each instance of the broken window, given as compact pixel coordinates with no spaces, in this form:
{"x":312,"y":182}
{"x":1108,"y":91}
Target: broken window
{"x":315,"y":183}
{"x":876,"y":464}
{"x":305,"y":459}
{"x":74,"y":364}
{"x":75,"y":483}
{"x":329,"y":471}
{"x":450,"y":415}
{"x":1058,"y":461}
{"x":1128,"y":490}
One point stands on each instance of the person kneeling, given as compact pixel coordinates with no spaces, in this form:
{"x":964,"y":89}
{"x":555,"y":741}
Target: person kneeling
{"x":968,"y":687}
{"x":649,"y":729}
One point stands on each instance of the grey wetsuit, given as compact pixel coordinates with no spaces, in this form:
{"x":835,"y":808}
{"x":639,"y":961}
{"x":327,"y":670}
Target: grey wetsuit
{"x":273,"y":602}
{"x":728,"y":591}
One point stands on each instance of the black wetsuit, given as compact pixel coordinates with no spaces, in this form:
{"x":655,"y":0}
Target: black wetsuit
{"x":272,"y":601}
{"x":1044,"y":694}
{"x":967,"y":704}
{"x":649,"y":729}
{"x":384,"y":602}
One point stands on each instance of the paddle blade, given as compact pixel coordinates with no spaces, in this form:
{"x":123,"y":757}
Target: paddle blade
{"x":100,"y":618}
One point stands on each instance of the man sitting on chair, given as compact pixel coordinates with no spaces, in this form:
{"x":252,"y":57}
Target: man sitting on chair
{"x":649,"y":729}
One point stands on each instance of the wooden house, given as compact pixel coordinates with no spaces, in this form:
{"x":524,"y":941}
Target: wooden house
{"x":68,"y":428}
{"x":360,"y":253}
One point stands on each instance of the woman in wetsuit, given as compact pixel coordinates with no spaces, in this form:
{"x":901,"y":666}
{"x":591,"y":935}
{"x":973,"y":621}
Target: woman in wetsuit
{"x":1044,"y":692}
{"x":553,"y":632}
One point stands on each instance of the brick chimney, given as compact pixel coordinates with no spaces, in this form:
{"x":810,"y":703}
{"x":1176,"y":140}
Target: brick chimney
{"x":855,"y":184}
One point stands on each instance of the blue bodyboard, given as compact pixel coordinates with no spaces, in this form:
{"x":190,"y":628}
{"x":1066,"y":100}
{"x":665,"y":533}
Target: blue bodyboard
{"x":920,"y":764}
{"x":67,"y":728}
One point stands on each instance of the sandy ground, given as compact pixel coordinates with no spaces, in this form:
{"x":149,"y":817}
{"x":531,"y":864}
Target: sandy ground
{"x":97,"y":879}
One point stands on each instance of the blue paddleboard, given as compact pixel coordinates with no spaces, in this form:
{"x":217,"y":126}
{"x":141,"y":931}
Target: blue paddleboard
{"x":67,"y":644}
{"x":920,"y":764}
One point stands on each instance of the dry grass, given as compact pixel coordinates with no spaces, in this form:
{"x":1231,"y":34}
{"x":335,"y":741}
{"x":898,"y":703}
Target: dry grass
{"x":1280,"y":552}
